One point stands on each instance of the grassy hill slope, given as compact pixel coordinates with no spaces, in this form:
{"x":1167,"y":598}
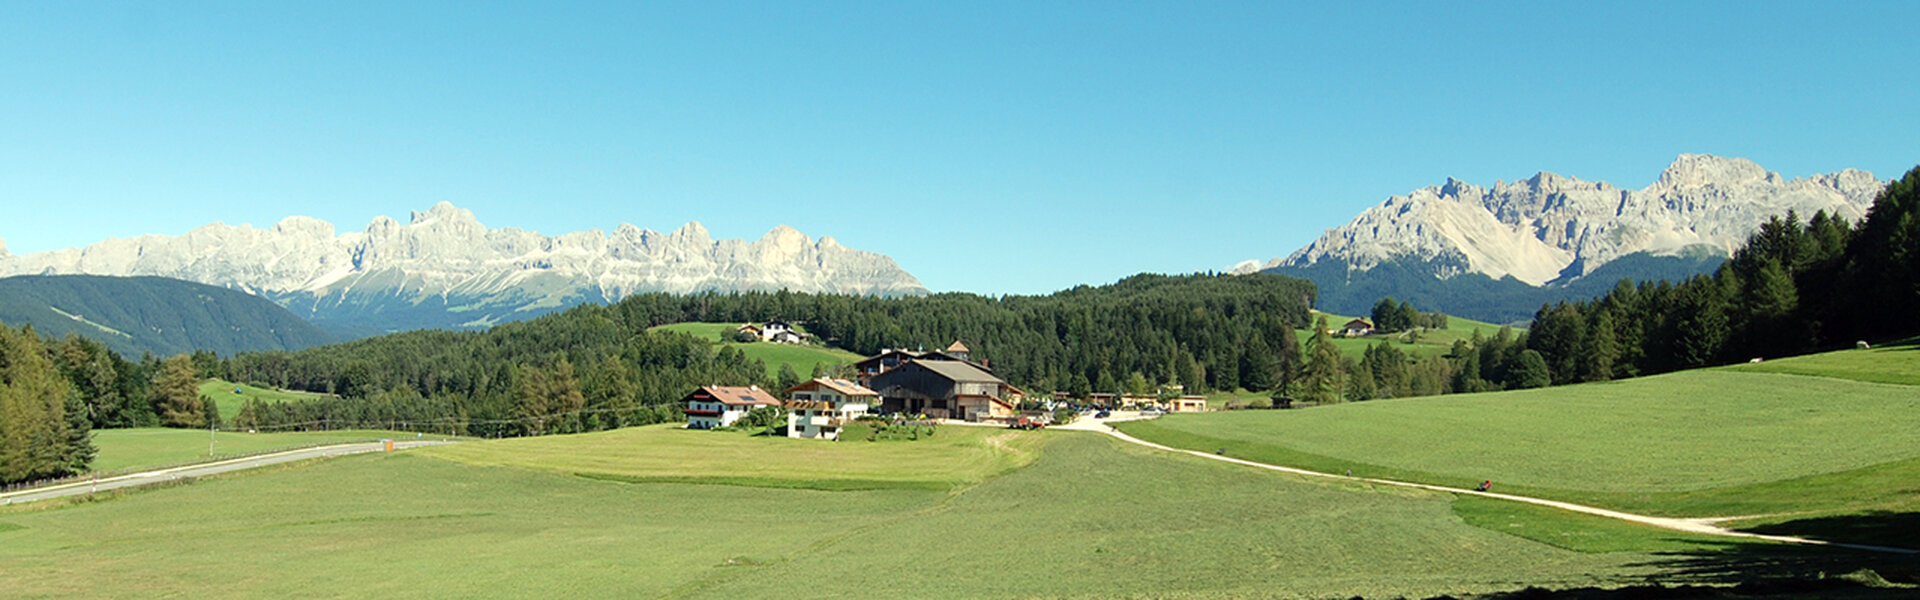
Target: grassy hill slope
{"x":801,"y":358}
{"x":1720,"y":442}
{"x":152,"y":447}
{"x":1429,"y":342}
{"x":1089,"y":517}
{"x":133,"y":315}
{"x":222,"y":393}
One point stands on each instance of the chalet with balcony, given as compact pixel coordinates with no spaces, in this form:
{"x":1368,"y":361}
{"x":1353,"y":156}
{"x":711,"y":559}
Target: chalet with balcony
{"x":714,"y":406}
{"x":820,"y":408}
{"x":945,"y":389}
{"x":1356,"y":328}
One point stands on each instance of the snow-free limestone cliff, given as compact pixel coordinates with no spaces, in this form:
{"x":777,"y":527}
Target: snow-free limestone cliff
{"x":445,"y":269}
{"x":1550,"y":230}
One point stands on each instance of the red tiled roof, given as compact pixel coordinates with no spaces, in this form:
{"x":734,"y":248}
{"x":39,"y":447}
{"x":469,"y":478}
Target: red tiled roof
{"x":737,"y":396}
{"x":844,"y":387}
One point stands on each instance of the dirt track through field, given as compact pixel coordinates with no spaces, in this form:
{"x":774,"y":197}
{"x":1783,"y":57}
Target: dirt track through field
{"x":90,"y":486}
{"x":1702,"y":526}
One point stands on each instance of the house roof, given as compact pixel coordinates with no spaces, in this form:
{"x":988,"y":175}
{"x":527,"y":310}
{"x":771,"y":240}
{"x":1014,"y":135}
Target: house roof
{"x":844,"y":387}
{"x":957,"y":347}
{"x":900,"y":352}
{"x":736,"y":396}
{"x":959,"y":371}
{"x":1361,"y":322}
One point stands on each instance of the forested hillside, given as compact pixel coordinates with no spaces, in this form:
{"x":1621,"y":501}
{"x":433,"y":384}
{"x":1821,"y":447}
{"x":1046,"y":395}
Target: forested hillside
{"x":1792,"y":289}
{"x":598,"y":366}
{"x":44,"y":430}
{"x":136,"y":315}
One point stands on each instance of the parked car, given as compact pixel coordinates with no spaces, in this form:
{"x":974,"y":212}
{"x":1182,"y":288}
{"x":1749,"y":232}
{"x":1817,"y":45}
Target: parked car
{"x":1026,"y":423}
{"x":1103,"y":414}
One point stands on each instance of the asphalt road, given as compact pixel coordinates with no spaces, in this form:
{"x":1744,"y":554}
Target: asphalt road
{"x":200,"y":470}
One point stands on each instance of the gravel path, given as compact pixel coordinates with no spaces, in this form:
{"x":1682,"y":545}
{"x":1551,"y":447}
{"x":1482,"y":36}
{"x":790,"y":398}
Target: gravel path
{"x":199,"y":470}
{"x":1703,"y":526}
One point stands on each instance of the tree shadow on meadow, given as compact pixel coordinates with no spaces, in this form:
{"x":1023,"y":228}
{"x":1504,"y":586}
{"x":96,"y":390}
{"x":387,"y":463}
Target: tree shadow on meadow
{"x":1757,"y":570}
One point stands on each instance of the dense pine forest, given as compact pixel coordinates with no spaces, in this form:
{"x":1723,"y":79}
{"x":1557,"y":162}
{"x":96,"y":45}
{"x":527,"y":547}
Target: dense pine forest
{"x":594,"y":366}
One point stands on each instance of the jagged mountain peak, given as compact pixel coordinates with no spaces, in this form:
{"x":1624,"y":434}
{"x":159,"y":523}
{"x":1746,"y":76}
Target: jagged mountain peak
{"x":445,"y":258}
{"x":691,"y":231}
{"x":1699,"y":170}
{"x":444,"y":211}
{"x":3,"y":249}
{"x":1541,"y":228}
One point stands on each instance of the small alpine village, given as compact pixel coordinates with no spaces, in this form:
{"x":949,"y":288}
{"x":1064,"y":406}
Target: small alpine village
{"x":918,"y":386}
{"x":824,"y":300}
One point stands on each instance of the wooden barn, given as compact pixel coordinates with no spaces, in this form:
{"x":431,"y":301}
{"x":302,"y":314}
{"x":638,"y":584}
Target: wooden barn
{"x":945,"y":389}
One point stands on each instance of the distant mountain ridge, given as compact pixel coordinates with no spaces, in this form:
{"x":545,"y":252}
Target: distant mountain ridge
{"x":1550,"y":232}
{"x":444,"y":269}
{"x":133,"y":315}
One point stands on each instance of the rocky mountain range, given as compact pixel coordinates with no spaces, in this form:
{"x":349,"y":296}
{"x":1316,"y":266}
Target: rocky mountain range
{"x":445,"y":269}
{"x":1553,"y":232}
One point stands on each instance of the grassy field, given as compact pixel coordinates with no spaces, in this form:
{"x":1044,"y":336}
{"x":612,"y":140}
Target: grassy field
{"x":802,"y":358}
{"x":221,"y":391}
{"x":1088,"y":517}
{"x":1432,"y":342}
{"x":1700,"y":443}
{"x":1890,"y":364}
{"x":953,"y":456}
{"x":123,"y":449}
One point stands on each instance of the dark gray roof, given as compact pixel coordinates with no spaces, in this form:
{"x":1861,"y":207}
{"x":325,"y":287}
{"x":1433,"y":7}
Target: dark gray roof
{"x":958,"y":371}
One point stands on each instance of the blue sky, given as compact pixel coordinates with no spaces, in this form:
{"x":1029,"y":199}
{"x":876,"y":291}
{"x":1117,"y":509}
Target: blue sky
{"x":1014,"y":147}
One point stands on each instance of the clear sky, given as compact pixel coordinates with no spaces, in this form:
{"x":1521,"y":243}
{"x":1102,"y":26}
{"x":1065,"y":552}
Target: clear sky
{"x":1016,"y":147}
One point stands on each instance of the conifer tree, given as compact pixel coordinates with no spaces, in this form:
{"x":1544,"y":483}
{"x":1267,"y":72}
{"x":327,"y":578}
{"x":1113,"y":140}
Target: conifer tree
{"x":176,"y":394}
{"x":1321,"y":378}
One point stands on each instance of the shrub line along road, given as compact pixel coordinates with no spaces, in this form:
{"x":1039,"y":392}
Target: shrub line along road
{"x":1704,"y":526}
{"x":199,"y":470}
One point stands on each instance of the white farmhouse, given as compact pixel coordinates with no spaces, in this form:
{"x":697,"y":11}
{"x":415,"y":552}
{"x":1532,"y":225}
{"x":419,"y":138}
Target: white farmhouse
{"x":818,"y":409}
{"x":713,"y":406}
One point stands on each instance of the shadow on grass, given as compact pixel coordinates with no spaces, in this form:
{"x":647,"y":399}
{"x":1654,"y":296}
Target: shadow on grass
{"x":1740,"y":570}
{"x":1878,"y":528}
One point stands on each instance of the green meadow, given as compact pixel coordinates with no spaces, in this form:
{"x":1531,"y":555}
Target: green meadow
{"x":126,"y":449}
{"x":1428,"y":342}
{"x":969,"y":512}
{"x":801,"y":358}
{"x":1899,"y":364}
{"x":1066,"y":514}
{"x":951,"y":456}
{"x":222,"y":393}
{"x":1711,"y":443}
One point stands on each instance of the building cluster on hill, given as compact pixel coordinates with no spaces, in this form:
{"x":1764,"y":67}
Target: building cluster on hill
{"x":935,"y":384}
{"x":944,"y":384}
{"x":776,"y":331}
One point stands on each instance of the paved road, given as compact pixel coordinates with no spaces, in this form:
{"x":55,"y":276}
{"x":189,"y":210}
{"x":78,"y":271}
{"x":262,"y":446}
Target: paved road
{"x":1704,"y":526}
{"x":200,"y":470}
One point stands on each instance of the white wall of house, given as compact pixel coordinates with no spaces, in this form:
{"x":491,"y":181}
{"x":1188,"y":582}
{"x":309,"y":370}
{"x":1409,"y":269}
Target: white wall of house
{"x":727,"y":415}
{"x":823,"y":423}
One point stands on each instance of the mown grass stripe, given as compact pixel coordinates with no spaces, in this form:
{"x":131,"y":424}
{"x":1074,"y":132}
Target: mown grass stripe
{"x":825,"y":485}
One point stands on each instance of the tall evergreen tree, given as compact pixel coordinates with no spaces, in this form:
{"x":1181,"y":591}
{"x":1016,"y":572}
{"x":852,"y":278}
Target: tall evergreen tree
{"x":1601,"y":350}
{"x":1321,"y":379}
{"x":176,"y":394}
{"x":1260,"y":366}
{"x":1529,"y":372}
{"x":1290,"y":361}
